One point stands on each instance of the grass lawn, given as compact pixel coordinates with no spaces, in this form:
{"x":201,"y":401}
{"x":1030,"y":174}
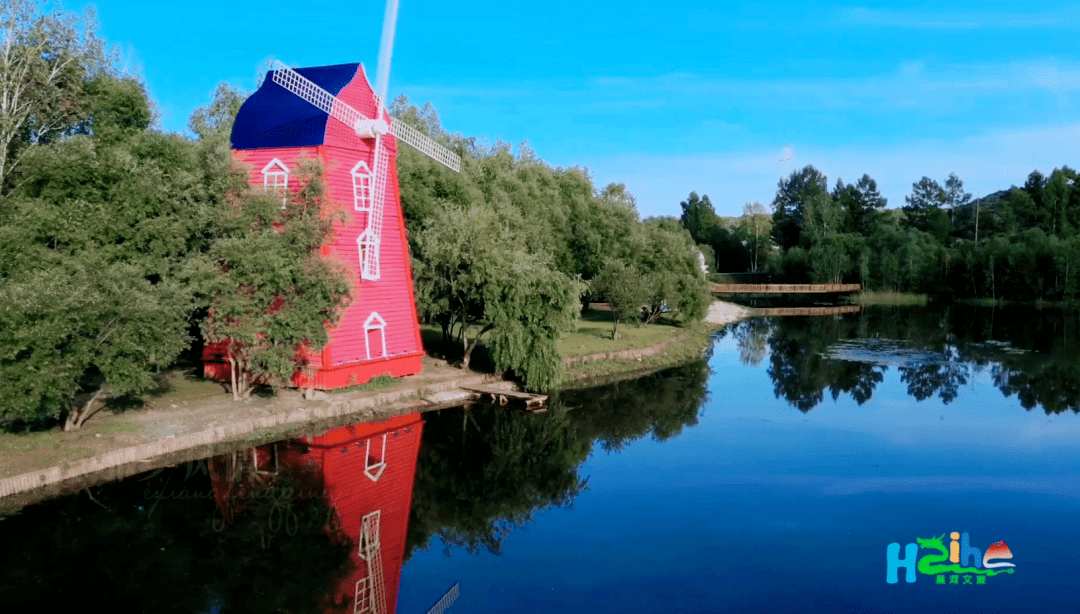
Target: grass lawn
{"x":593,"y":335}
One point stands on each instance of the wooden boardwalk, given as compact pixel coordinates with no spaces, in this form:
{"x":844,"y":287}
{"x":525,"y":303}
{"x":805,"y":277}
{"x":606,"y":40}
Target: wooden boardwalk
{"x":785,"y":288}
{"x":806,"y":311}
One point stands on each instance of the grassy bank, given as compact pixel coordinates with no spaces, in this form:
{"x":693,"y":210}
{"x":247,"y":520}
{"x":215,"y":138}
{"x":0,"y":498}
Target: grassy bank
{"x":871,"y":297}
{"x":592,"y":336}
{"x":684,"y":349}
{"x":189,"y":407}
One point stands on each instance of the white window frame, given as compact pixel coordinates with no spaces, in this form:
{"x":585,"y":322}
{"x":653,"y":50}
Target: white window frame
{"x":375,"y":469}
{"x":276,"y":178}
{"x":367,"y":245}
{"x":363,"y":186}
{"x":374,"y":322}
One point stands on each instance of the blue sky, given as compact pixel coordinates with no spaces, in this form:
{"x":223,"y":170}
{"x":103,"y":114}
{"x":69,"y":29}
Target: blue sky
{"x":672,"y":97}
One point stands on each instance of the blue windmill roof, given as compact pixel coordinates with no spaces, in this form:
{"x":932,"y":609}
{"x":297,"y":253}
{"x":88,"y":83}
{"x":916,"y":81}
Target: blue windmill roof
{"x":275,"y":117}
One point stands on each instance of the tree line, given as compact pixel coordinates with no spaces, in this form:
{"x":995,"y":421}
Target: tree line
{"x":124,"y":247}
{"x":1019,"y":244}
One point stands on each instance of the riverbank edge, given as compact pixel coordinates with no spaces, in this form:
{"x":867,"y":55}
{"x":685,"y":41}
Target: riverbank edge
{"x":307,"y":418}
{"x":312,"y":417}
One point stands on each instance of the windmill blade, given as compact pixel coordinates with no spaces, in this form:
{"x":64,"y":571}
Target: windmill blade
{"x":386,"y":48}
{"x":317,"y":96}
{"x":423,"y":143}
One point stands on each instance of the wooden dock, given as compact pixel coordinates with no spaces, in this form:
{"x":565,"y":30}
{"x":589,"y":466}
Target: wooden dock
{"x":534,"y":403}
{"x":785,"y":288}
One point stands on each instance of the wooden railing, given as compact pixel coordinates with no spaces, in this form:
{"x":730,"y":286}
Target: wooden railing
{"x":784,"y":288}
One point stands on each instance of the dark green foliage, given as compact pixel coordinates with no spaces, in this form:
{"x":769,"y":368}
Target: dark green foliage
{"x":48,"y":71}
{"x":273,"y":292}
{"x":795,"y":197}
{"x":101,"y":242}
{"x":471,"y":272}
{"x":624,"y":289}
{"x":698,"y":217}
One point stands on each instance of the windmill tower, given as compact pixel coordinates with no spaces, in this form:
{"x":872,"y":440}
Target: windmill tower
{"x":334,"y":114}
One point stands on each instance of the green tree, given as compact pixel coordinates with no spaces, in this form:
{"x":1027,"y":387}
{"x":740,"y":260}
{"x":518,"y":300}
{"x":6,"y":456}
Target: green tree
{"x":955,"y":196}
{"x":860,"y":204}
{"x":602,"y":229}
{"x":793,"y":198}
{"x":470,"y":272}
{"x":46,"y":62}
{"x":216,"y":119}
{"x":101,"y":243}
{"x":673,"y":276}
{"x":80,"y":330}
{"x":924,"y":209}
{"x":698,"y":217}
{"x":624,"y":289}
{"x":274,"y":293}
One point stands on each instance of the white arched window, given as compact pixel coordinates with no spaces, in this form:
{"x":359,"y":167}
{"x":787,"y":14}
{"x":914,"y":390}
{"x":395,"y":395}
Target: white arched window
{"x":368,"y":244}
{"x":276,"y":179}
{"x":375,"y":336}
{"x":362,"y":181}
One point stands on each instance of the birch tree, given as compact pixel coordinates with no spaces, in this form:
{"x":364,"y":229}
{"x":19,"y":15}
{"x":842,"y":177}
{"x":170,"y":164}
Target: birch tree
{"x":755,"y":220}
{"x":46,"y":59}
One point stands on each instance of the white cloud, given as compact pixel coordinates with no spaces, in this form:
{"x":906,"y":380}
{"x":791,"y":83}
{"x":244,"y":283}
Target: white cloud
{"x":959,"y":20}
{"x":912,"y":83}
{"x":985,"y":162}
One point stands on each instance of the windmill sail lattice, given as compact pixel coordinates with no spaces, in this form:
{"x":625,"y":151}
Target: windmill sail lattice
{"x":369,"y":265}
{"x":317,"y":96}
{"x":420,"y":142}
{"x":370,"y":241}
{"x":370,"y":591}
{"x":331,"y":105}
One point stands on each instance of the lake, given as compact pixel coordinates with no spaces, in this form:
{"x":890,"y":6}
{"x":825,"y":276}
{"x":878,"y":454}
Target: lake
{"x":770,"y":477}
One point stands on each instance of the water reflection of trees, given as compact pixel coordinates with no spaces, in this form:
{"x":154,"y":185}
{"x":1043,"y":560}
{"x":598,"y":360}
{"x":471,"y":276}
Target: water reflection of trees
{"x":152,"y":544}
{"x":1028,"y":353}
{"x":801,"y":374}
{"x":485,"y":471}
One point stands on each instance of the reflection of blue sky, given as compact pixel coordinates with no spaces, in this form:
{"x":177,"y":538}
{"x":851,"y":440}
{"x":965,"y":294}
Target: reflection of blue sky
{"x":763,"y":508}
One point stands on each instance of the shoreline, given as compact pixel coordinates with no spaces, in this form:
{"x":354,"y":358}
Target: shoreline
{"x":125,"y":444}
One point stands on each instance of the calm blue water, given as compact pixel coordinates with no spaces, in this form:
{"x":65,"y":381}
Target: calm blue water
{"x":770,"y":478}
{"x":761,"y":507}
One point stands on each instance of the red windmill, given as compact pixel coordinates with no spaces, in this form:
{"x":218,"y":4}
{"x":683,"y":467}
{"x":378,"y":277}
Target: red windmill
{"x":332,"y":113}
